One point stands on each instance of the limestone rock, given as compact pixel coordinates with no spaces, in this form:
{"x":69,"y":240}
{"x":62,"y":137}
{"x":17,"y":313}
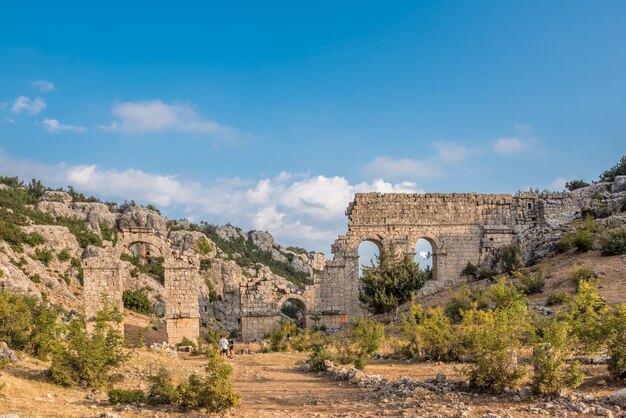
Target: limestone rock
{"x":6,"y":353}
{"x":619,"y":397}
{"x":619,"y":184}
{"x":140,"y":217}
{"x":184,"y":241}
{"x":263,"y":240}
{"x":229,"y":233}
{"x":56,"y":196}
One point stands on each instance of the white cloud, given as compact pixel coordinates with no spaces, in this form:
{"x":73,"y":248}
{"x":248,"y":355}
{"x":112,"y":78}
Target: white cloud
{"x":388,"y":167}
{"x":451,"y":151}
{"x":155,"y":116}
{"x":43,"y":85}
{"x":28,"y":105}
{"x":510,"y":146}
{"x":558,"y":184}
{"x":54,"y":127}
{"x":297,"y":209}
{"x":447,"y":153}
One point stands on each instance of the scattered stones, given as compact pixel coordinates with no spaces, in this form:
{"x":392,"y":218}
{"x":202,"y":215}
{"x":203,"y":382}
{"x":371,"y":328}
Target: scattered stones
{"x":6,"y":352}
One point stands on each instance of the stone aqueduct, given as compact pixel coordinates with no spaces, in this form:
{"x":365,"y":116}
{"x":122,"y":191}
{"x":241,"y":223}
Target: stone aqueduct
{"x":460,"y":227}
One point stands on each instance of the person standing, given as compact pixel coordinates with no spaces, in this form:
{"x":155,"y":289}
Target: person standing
{"x":231,"y":348}
{"x":223,"y":346}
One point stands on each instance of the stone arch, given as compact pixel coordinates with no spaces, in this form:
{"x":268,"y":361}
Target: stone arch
{"x":105,"y":275}
{"x":434,"y":251}
{"x":301,"y":301}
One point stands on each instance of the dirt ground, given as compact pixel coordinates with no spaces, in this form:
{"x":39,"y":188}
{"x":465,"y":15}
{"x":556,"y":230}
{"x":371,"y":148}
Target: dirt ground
{"x":270,"y":385}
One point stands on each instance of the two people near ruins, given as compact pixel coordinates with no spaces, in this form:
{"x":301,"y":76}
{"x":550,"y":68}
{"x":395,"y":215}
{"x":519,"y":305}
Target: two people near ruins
{"x":227,"y":347}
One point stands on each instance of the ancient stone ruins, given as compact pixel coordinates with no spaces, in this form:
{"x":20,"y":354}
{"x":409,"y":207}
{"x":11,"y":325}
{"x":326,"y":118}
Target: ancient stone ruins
{"x":461,"y":228}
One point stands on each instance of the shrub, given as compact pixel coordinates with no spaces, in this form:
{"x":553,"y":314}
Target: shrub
{"x":486,"y":273}
{"x":306,"y":340}
{"x":161,"y":389}
{"x":203,"y":246}
{"x":575,"y":184}
{"x":1,"y":273}
{"x":318,"y":357}
{"x":583,"y":273}
{"x":137,"y":301}
{"x":80,"y":272}
{"x":502,"y":293}
{"x":213,"y":390}
{"x":33,"y":239}
{"x":205,"y":264}
{"x":461,"y":301}
{"x":45,"y":256}
{"x":279,"y":337}
{"x":126,"y":396}
{"x":213,"y":295}
{"x":362,"y":340}
{"x":551,"y":373}
{"x":87,"y":358}
{"x":586,"y":314}
{"x":35,"y":278}
{"x":469,"y":269}
{"x":494,"y":338}
{"x":557,"y":298}
{"x":563,"y":245}
{"x":617,"y":342}
{"x":64,"y":255}
{"x":618,"y":169}
{"x":583,"y":240}
{"x":510,"y":258}
{"x":430,"y":333}
{"x":186,"y":342}
{"x":391,"y":283}
{"x":614,"y":243}
{"x":531,"y":283}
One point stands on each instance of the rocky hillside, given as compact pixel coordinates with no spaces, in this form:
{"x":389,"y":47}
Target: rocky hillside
{"x":44,"y":235}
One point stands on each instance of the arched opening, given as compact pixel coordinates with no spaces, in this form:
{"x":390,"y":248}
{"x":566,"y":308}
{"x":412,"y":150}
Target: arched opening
{"x":142,"y":290}
{"x":369,"y":251}
{"x":294,"y":310}
{"x":425,"y":256}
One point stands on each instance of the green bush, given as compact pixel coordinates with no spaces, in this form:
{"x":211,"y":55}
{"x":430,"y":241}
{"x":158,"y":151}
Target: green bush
{"x":88,"y":358}
{"x":279,"y":337}
{"x":462,"y":300}
{"x":486,"y":273}
{"x":583,"y":273}
{"x":575,"y":184}
{"x":583,"y":240}
{"x":430,"y":333}
{"x":1,"y":273}
{"x":614,"y":243}
{"x":531,"y":283}
{"x":203,"y":246}
{"x":44,"y":255}
{"x":318,"y":357}
{"x":586,"y":314}
{"x":502,"y":293}
{"x":469,"y":269}
{"x":362,"y":340}
{"x":28,"y":324}
{"x":205,"y":264}
{"x":549,"y":353}
{"x":126,"y":396}
{"x":161,"y":389}
{"x":35,"y":278}
{"x":213,"y":390}
{"x":186,"y":342}
{"x":494,"y":337}
{"x":33,"y":239}
{"x":64,"y":255}
{"x":137,"y":301}
{"x":617,"y":342}
{"x":557,"y":298}
{"x":152,"y":266}
{"x":510,"y":258}
{"x":80,"y":272}
{"x":391,"y":282}
{"x":306,"y":340}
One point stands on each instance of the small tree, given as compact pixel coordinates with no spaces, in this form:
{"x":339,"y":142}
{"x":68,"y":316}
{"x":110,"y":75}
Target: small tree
{"x":494,"y":338}
{"x":389,"y":284}
{"x":87,"y":359}
{"x":510,"y":258}
{"x":430,"y":333}
{"x":586,"y":313}
{"x":279,"y":336}
{"x":362,"y":341}
{"x":575,"y":184}
{"x":617,"y":342}
{"x":618,"y":169}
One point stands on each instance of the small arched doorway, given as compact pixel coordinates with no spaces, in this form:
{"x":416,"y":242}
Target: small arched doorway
{"x":426,"y":256}
{"x":369,"y":253}
{"x":294,"y":310}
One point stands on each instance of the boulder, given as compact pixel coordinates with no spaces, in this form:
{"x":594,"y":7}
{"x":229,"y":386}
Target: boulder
{"x":263,"y":240}
{"x":6,"y":353}
{"x":619,"y":184}
{"x":619,"y":397}
{"x":140,"y":217}
{"x":184,"y":241}
{"x":229,"y":233}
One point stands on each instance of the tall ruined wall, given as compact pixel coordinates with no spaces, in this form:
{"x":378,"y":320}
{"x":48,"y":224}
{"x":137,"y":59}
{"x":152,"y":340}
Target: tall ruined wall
{"x":461,"y":227}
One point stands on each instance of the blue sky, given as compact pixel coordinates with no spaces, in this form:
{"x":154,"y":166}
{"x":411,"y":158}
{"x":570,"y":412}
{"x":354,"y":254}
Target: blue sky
{"x":271,"y":115}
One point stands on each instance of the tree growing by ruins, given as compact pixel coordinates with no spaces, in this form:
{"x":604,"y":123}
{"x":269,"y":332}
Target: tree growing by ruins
{"x":389,"y":281}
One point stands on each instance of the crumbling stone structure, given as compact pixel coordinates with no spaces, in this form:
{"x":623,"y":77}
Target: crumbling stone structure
{"x":104,"y":277}
{"x":461,"y":228}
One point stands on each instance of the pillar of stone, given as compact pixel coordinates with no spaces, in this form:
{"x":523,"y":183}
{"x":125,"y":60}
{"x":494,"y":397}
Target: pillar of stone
{"x":182,"y":311}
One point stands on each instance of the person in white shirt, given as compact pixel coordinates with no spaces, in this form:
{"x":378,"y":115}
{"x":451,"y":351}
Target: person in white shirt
{"x":223,"y":346}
